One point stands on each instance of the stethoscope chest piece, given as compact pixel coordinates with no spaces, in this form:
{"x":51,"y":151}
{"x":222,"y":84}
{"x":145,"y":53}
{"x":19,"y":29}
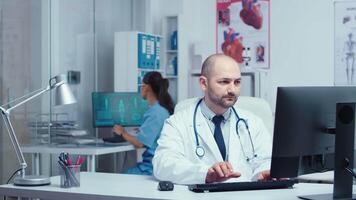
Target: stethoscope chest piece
{"x":200,"y":151}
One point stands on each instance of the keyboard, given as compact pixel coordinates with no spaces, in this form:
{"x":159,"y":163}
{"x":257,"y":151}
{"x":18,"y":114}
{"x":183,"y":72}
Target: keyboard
{"x":238,"y":186}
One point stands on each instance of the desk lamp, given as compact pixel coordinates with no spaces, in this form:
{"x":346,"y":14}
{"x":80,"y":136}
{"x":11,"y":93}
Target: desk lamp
{"x":63,"y":96}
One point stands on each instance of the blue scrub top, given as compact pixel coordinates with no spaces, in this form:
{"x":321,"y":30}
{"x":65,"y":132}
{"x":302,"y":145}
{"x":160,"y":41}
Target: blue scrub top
{"x":148,"y":134}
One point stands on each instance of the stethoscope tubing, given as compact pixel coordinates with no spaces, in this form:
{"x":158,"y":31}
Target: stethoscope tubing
{"x":200,"y":152}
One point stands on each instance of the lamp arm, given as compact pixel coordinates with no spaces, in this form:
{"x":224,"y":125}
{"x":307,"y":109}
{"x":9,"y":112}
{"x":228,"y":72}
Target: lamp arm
{"x":20,"y":98}
{"x":10,"y":129}
{"x":14,"y":141}
{"x":28,"y":99}
{"x":41,"y":91}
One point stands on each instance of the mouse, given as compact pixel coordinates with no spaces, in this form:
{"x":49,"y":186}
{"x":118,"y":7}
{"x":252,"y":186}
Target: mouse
{"x":165,"y":186}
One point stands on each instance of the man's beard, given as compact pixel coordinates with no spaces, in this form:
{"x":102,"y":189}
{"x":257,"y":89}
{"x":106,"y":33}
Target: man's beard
{"x":223,"y":102}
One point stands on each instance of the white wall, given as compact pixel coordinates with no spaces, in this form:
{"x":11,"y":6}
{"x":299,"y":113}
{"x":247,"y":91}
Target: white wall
{"x":301,"y":45}
{"x":20,"y":57}
{"x":199,"y":27}
{"x":301,"y":42}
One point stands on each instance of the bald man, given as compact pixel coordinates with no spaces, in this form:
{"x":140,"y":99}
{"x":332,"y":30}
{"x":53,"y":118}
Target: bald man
{"x":210,"y":140}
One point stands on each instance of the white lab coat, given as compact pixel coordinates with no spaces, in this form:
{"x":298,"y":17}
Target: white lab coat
{"x":175,"y":158}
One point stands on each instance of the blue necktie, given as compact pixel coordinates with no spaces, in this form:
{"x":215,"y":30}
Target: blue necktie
{"x":219,"y":139}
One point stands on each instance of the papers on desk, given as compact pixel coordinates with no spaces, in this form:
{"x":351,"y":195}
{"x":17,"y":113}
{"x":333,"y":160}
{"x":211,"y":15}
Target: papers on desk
{"x":75,"y":141}
{"x":73,"y":133}
{"x":87,"y":140}
{"x":322,"y":177}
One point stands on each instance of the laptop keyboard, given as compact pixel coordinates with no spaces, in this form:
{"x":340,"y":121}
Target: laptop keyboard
{"x":238,"y":186}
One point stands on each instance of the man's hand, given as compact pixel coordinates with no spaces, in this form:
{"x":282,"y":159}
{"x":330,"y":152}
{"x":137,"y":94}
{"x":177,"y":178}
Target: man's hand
{"x":220,"y":172}
{"x":117,"y":129}
{"x":264,"y":176}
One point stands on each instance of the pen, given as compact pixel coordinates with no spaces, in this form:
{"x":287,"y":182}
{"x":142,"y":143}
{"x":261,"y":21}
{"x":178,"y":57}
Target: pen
{"x":61,"y":157}
{"x":80,"y":160}
{"x":69,"y":161}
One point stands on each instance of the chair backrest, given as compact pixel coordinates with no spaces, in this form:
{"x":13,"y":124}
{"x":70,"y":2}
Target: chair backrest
{"x":257,"y":106}
{"x":181,"y":105}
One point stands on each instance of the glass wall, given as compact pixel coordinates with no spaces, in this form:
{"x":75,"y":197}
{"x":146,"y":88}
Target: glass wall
{"x":43,"y":38}
{"x":24,"y":68}
{"x":72,"y":50}
{"x":82,"y":41}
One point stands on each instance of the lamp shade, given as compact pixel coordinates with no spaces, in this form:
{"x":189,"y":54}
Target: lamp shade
{"x":63,"y":94}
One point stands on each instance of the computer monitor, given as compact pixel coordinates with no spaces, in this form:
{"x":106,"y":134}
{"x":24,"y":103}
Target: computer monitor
{"x":123,"y":108}
{"x":305,"y":122}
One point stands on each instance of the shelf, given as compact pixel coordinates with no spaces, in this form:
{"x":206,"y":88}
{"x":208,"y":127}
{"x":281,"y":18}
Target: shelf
{"x":172,"y":51}
{"x":195,"y":72}
{"x":149,"y":70}
{"x":171,"y":77}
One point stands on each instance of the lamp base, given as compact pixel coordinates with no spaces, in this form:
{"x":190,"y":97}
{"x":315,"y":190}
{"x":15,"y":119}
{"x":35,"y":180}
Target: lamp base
{"x":32,"y":180}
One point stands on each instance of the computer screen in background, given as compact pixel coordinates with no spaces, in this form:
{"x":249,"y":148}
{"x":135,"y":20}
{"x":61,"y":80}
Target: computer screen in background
{"x":123,"y":108}
{"x":305,"y":122}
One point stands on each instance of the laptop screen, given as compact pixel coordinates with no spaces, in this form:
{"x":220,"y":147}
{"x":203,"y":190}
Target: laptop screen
{"x":122,"y":108}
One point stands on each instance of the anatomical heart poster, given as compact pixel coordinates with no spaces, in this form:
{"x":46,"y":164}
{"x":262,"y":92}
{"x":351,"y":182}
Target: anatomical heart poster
{"x":243,"y":31}
{"x":345,"y":43}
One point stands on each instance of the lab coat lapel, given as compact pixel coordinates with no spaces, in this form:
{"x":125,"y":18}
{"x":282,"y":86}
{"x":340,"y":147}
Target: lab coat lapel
{"x":234,"y":148}
{"x":207,"y":137}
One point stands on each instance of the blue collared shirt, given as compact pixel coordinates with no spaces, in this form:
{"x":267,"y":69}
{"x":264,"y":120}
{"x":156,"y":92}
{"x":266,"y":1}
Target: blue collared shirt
{"x":225,"y":125}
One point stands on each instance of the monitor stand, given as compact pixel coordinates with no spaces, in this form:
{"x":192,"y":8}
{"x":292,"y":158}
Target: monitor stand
{"x":344,"y":154}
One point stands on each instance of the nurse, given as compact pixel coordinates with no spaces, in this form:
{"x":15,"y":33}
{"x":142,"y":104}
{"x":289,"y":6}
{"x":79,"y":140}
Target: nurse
{"x":210,"y":140}
{"x":154,"y":89}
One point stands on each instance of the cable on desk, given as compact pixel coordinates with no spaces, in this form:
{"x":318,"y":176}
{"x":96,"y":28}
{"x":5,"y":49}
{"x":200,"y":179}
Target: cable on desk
{"x":13,"y":174}
{"x":8,"y":181}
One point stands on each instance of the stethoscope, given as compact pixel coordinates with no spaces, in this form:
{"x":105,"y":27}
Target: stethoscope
{"x":199,"y":150}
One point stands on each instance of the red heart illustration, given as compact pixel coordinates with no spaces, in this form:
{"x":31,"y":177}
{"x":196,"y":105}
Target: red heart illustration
{"x":251,"y":13}
{"x":232,"y":45}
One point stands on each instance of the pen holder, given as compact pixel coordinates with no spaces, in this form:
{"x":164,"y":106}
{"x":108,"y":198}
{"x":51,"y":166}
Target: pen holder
{"x":69,"y":176}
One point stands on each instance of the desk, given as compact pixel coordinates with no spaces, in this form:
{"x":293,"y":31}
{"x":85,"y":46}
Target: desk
{"x":90,"y":151}
{"x":122,"y":186}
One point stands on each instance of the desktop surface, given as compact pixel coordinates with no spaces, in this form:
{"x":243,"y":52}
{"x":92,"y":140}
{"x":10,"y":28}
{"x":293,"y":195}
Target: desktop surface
{"x":97,"y":149}
{"x":123,"y":186}
{"x":123,"y":108}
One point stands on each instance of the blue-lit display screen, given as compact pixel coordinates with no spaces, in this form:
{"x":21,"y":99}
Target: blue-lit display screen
{"x":123,"y":108}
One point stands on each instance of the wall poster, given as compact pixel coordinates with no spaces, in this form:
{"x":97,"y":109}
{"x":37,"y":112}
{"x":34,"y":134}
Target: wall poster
{"x":345,"y":42}
{"x":243,"y":31}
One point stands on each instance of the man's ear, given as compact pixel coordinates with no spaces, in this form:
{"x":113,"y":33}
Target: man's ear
{"x":203,"y":81}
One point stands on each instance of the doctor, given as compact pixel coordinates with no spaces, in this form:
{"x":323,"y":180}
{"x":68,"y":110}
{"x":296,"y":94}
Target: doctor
{"x":210,"y":141}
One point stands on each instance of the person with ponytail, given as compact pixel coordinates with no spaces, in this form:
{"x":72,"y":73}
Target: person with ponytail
{"x":154,"y":89}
